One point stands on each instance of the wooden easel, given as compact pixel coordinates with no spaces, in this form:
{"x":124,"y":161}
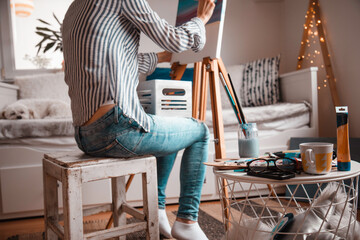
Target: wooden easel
{"x":314,"y":10}
{"x":207,"y":74}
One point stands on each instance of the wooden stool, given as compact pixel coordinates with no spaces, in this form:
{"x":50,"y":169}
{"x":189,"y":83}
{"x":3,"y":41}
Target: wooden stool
{"x":73,"y":169}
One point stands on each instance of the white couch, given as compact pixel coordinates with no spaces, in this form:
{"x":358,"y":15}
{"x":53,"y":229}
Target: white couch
{"x":20,"y":162}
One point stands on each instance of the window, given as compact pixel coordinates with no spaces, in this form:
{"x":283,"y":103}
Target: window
{"x":19,"y":19}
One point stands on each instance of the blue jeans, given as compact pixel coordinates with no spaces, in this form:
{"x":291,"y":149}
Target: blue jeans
{"x":116,"y":135}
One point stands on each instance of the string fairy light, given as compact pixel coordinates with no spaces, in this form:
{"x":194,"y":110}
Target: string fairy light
{"x":313,"y":30}
{"x":311,"y":33}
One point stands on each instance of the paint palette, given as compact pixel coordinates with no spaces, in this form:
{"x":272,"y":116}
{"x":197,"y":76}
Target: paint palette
{"x":229,"y":164}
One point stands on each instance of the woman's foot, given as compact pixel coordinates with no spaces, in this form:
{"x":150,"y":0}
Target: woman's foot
{"x":187,"y":231}
{"x":164,"y":225}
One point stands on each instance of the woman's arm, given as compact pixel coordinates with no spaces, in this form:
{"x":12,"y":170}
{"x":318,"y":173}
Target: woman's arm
{"x":164,"y":56}
{"x":148,"y":61}
{"x":172,"y":39}
{"x":205,"y":10}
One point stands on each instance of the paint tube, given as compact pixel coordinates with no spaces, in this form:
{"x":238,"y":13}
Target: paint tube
{"x":343,"y":148}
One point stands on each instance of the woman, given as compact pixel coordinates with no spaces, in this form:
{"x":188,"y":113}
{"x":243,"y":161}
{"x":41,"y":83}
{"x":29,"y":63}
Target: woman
{"x":100,"y":45}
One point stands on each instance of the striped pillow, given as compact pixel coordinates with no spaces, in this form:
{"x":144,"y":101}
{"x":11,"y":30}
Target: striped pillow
{"x":260,"y":82}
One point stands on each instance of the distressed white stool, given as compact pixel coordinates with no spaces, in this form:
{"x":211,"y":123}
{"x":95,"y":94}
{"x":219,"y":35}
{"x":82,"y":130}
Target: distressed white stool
{"x":73,"y":169}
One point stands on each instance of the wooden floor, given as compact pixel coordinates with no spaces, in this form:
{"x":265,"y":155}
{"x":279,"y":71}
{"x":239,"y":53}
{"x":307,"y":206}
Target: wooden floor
{"x":10,"y":228}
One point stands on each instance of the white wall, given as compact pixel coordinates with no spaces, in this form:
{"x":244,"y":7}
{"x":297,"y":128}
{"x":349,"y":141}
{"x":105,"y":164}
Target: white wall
{"x":1,"y":57}
{"x":256,"y":29}
{"x":341,"y":20}
{"x":251,"y":31}
{"x":166,"y":10}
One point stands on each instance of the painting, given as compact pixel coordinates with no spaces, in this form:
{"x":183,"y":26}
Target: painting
{"x":187,"y":9}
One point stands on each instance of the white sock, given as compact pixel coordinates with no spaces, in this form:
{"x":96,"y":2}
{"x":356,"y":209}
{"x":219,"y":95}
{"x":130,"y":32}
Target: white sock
{"x":164,"y":225}
{"x":187,"y":231}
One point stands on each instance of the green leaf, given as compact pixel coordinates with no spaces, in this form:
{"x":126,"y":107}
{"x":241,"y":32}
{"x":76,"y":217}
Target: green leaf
{"x":44,"y":22}
{"x":56,"y":35}
{"x":56,"y":18}
{"x":39,"y":45}
{"x":39,"y":48}
{"x":44,"y":29}
{"x":48,"y":46}
{"x":41,"y":42}
{"x":43,"y":34}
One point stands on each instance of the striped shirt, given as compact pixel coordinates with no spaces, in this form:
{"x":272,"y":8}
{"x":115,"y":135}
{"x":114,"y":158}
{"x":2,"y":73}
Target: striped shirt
{"x":102,"y":63}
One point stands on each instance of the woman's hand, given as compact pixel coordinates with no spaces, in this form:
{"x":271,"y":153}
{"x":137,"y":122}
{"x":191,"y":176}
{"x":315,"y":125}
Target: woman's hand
{"x":164,"y":56}
{"x":205,"y":10}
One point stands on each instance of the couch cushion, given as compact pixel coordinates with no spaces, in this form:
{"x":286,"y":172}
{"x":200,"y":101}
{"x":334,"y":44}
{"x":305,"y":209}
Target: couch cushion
{"x":10,"y":129}
{"x":260,"y":82}
{"x":49,"y":85}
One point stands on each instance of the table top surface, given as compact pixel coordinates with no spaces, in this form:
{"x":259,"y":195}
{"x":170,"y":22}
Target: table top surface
{"x":302,"y":178}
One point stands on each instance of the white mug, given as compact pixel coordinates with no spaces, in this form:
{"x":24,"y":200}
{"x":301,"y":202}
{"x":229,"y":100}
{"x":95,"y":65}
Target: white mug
{"x":316,"y":157}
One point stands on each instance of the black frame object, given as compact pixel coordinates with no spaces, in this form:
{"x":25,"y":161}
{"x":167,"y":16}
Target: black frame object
{"x":273,"y":172}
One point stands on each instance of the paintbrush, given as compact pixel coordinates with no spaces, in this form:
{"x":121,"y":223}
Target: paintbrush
{"x":243,"y":120}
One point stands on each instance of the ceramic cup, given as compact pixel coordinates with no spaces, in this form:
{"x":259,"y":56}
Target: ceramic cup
{"x":316,"y":157}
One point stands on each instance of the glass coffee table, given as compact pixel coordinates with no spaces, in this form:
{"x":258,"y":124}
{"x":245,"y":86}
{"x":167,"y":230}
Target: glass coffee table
{"x":327,"y":207}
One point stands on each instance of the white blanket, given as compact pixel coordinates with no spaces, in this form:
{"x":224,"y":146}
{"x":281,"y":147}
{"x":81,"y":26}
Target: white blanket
{"x":263,"y":115}
{"x":35,"y":128}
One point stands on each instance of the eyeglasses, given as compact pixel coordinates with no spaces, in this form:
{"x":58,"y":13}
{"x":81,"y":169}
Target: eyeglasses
{"x":275,"y":164}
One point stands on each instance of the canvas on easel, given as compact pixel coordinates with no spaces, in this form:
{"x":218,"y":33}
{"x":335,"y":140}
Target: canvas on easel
{"x":187,"y":9}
